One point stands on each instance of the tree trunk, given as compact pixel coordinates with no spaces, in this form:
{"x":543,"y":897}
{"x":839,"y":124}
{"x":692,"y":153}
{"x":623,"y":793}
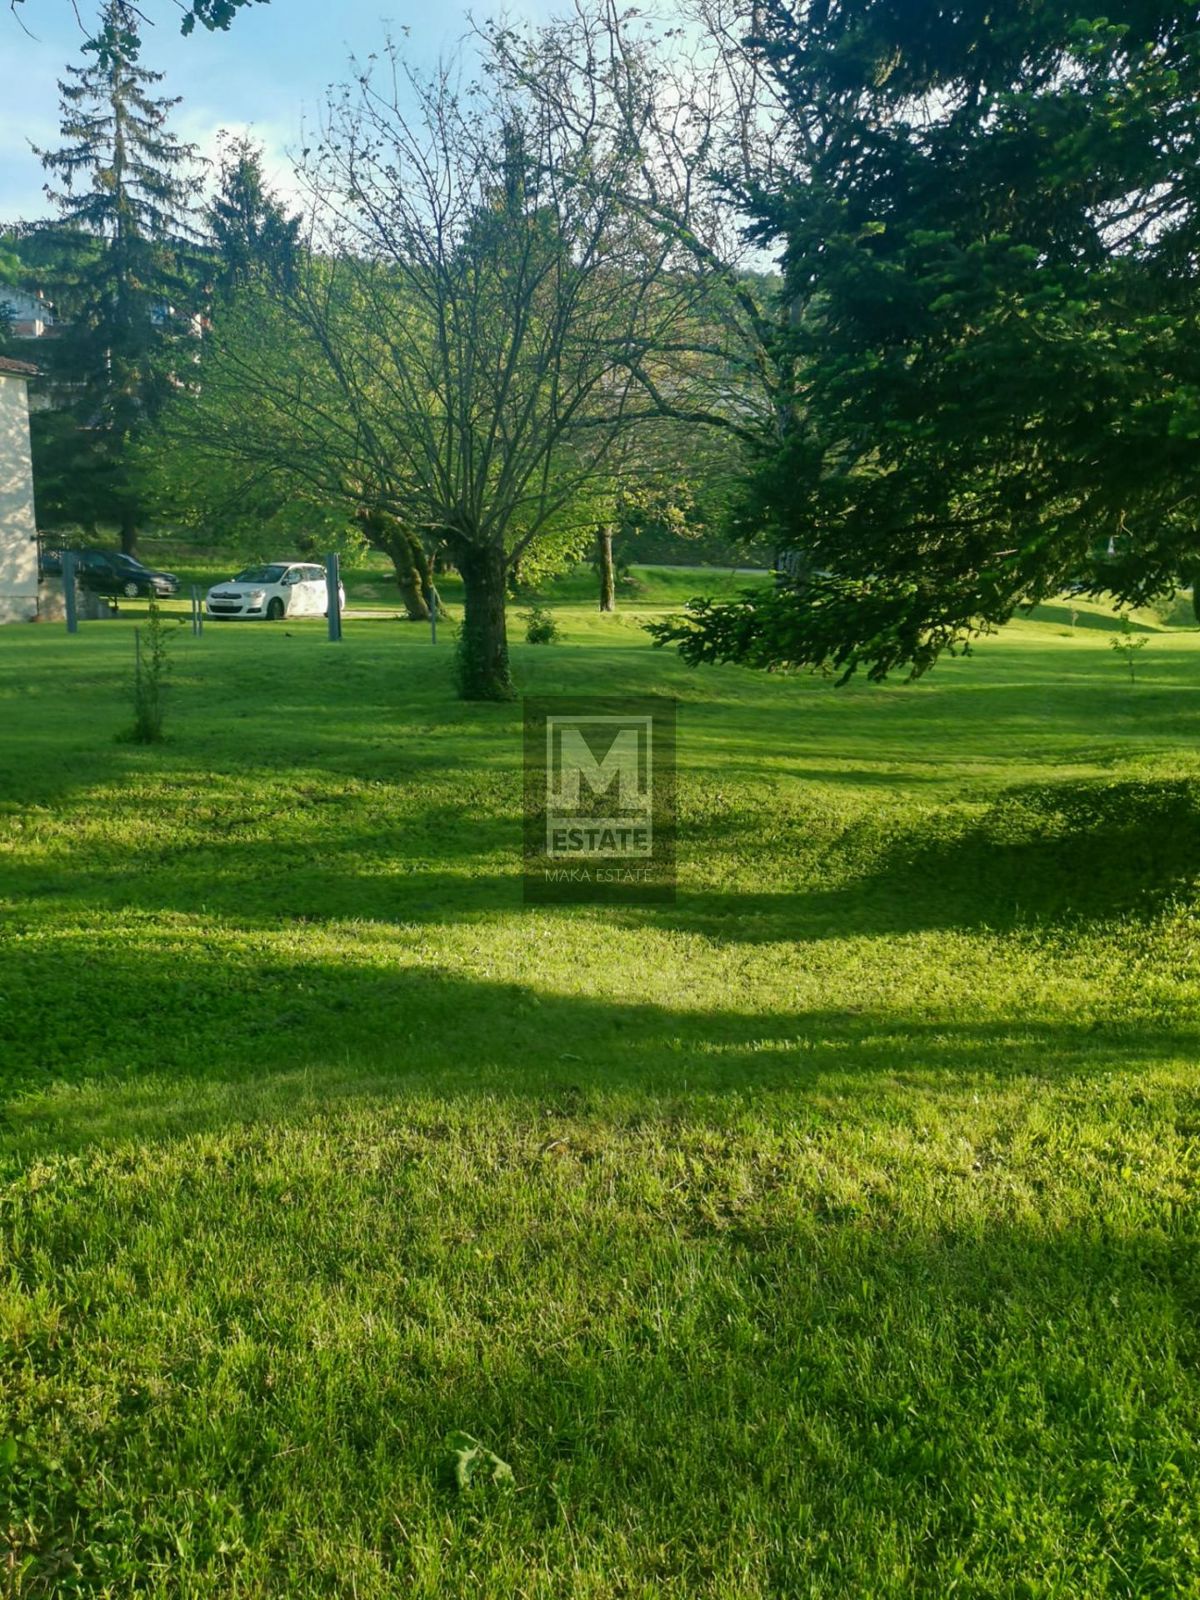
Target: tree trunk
{"x":483,"y":670}
{"x":604,"y":557}
{"x":408,"y":578}
{"x":386,"y":533}
{"x":1196,"y":593}
{"x":129,"y":532}
{"x":424,"y":569}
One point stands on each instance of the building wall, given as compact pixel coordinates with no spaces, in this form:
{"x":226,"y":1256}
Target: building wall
{"x":18,"y":530}
{"x":31,"y":317}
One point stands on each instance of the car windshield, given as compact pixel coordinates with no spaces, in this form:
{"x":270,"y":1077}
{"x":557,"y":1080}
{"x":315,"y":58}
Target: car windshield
{"x":260,"y":575}
{"x":128,"y":561}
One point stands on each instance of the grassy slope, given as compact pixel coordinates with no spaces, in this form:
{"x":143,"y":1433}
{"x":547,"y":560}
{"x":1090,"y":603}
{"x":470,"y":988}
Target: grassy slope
{"x":831,"y":1234}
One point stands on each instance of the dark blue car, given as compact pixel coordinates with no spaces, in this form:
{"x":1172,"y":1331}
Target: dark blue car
{"x":110,"y":572}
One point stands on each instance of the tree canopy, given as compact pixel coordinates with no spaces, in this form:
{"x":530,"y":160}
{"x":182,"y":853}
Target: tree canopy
{"x":211,"y":14}
{"x":460,"y":342}
{"x":988,"y":217}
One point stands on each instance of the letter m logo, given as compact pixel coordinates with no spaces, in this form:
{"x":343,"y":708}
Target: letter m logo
{"x":603,"y":753}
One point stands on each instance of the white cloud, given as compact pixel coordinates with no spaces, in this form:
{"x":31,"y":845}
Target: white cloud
{"x":276,"y":139}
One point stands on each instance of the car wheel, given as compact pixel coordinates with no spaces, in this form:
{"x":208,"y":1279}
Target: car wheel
{"x":274,"y":609}
{"x":131,"y":590}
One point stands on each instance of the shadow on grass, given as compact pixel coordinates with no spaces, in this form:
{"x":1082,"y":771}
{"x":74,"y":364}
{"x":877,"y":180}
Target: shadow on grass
{"x":1070,"y":854}
{"x":1062,"y":611}
{"x":1039,"y":855}
{"x":178,"y":1031}
{"x":730,"y":1383}
{"x":833,"y":1380}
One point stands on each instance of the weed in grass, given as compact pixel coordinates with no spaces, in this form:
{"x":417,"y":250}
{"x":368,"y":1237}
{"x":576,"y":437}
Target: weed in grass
{"x":469,"y":1462}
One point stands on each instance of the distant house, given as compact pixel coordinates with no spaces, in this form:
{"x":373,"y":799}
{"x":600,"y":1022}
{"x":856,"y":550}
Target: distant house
{"x":18,"y":529}
{"x":30,"y":316}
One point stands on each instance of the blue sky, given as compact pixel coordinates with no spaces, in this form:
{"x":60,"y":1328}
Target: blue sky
{"x":264,"y":74}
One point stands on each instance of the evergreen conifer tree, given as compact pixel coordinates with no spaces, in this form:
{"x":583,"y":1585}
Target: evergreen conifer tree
{"x":127,"y":186}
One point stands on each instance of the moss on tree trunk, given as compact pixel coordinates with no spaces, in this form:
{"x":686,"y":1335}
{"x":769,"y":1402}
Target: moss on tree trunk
{"x":407,"y":555}
{"x":483,"y":666}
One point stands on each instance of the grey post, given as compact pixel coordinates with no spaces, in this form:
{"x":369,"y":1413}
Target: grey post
{"x":333,"y":595}
{"x":68,"y":583}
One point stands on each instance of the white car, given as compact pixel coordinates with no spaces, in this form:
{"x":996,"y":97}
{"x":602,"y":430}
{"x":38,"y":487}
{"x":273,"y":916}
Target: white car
{"x":281,"y":589}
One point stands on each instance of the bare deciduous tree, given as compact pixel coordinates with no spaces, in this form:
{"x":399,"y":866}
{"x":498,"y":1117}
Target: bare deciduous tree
{"x":494,"y":315}
{"x":703,"y":123}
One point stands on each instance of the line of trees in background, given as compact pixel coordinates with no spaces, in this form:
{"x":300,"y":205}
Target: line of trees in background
{"x":527,"y":316}
{"x":463,"y":355}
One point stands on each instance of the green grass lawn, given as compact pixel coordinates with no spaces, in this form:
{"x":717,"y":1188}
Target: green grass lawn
{"x":830,"y":1233}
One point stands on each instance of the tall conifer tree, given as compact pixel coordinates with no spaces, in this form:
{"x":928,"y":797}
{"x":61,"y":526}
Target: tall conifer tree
{"x":250,"y":228}
{"x":127,"y":188}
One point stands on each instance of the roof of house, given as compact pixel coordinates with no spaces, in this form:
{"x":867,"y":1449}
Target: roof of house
{"x":18,"y":369}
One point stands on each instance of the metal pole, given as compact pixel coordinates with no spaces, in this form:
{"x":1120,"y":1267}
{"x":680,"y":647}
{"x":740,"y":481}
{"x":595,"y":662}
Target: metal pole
{"x":333,"y":595}
{"x":68,"y":580}
{"x":197,"y":613}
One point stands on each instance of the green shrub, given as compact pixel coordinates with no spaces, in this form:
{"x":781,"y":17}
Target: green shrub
{"x":151,"y":670}
{"x":540,"y":626}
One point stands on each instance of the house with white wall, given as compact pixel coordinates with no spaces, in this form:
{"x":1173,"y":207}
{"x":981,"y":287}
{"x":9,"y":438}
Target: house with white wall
{"x":18,"y":529}
{"x":30,"y":316}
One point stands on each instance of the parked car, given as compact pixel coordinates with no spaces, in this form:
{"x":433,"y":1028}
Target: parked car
{"x":278,"y":589}
{"x":109,"y":572}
